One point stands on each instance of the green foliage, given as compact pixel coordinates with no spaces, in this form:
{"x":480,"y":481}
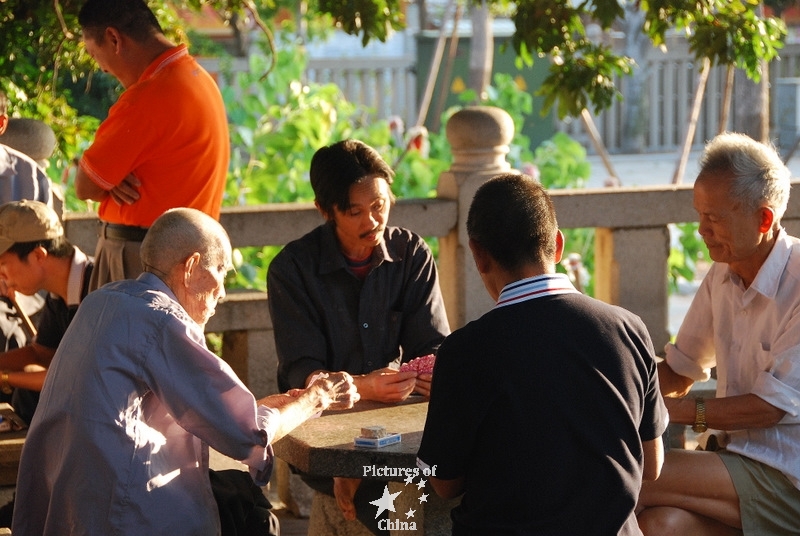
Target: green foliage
{"x":582,"y":73}
{"x":684,"y":255}
{"x":40,"y":45}
{"x":583,"y":78}
{"x":277,"y":124}
{"x":75,"y":132}
{"x":725,"y":31}
{"x":370,"y":18}
{"x":562,"y":162}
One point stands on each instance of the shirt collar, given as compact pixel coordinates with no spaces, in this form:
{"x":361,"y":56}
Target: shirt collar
{"x":75,"y":278}
{"x":535,"y":287}
{"x":332,"y":259}
{"x":164,"y":60}
{"x":156,"y":283}
{"x":769,"y":275}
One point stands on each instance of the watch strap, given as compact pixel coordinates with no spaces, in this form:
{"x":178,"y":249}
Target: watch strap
{"x":699,"y":415}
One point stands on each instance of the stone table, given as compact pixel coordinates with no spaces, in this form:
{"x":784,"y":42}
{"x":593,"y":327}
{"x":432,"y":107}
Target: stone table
{"x":324,"y":447}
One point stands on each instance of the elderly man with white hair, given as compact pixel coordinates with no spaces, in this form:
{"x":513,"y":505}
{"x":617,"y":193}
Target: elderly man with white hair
{"x":745,"y":321}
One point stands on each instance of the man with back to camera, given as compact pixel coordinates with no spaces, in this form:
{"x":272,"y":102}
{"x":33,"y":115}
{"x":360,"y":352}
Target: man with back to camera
{"x":355,"y":295}
{"x":133,"y":400}
{"x":164,"y":143}
{"x":743,"y":320}
{"x":36,"y":255}
{"x":545,"y":413}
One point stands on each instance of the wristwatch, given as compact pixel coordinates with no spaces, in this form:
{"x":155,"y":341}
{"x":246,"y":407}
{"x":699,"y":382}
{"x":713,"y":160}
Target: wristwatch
{"x":4,"y":387}
{"x":699,"y":425}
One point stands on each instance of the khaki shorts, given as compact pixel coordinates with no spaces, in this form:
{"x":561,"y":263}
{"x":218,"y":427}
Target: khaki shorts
{"x":769,"y":502}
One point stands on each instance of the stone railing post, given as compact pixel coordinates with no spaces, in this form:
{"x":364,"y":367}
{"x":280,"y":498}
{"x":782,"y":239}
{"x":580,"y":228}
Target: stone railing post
{"x":479,"y":138}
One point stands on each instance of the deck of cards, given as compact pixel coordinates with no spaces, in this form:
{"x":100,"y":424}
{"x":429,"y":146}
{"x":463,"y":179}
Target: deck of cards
{"x":422,"y":365}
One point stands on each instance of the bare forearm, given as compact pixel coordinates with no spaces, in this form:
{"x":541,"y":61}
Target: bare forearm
{"x":86,"y":189}
{"x":331,"y":391}
{"x":728,"y":413}
{"x":44,"y":354}
{"x":672,"y":384}
{"x":299,"y":411}
{"x":18,"y":358}
{"x":27,"y":380}
{"x":653,"y":451}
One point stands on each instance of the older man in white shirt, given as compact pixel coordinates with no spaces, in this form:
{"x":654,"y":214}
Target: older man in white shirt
{"x":745,"y":320}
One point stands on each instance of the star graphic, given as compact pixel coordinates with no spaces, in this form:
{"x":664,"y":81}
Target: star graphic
{"x":422,"y":498}
{"x":420,"y":484}
{"x":386,"y":502}
{"x":409,"y":480}
{"x":410,"y":513}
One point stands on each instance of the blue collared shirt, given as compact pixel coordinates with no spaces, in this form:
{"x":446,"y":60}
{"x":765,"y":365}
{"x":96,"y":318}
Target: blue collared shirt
{"x":119,"y":442}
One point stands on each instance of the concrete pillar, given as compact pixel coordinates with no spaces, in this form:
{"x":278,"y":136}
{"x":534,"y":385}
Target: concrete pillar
{"x":631,"y":271}
{"x":479,"y":138}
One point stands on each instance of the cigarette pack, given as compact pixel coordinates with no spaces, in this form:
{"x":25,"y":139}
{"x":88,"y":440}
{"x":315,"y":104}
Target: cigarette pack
{"x":377,"y":442}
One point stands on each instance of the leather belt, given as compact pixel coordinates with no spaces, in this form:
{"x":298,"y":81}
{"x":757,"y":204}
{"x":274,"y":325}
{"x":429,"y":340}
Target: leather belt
{"x":116,"y":231}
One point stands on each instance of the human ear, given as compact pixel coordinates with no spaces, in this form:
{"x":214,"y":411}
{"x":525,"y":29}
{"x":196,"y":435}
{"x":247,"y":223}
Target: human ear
{"x":480,"y":256}
{"x":40,"y":253}
{"x":322,"y":212}
{"x":559,"y":246}
{"x":188,"y":267}
{"x":767,"y":218}
{"x":114,"y":37}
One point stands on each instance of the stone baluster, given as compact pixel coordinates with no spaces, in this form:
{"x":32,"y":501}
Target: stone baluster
{"x":479,"y":138}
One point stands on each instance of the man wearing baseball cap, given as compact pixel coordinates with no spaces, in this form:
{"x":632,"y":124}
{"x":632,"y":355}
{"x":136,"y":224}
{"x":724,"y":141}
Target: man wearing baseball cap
{"x":35,"y":255}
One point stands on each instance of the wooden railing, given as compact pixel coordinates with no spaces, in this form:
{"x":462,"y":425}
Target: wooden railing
{"x":631,"y":252}
{"x":386,"y":85}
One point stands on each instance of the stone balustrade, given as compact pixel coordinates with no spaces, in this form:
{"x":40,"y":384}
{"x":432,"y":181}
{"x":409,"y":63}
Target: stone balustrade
{"x":631,"y":247}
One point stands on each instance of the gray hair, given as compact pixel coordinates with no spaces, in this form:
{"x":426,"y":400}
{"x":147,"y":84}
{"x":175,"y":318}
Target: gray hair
{"x":759,"y":175}
{"x":180,"y":232}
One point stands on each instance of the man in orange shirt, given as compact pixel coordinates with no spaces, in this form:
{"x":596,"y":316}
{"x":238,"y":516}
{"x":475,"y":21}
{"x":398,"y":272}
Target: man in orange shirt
{"x":165,"y":142}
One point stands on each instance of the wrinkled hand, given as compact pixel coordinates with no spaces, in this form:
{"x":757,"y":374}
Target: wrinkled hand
{"x":127,"y":191}
{"x":423,"y":385}
{"x":386,"y":385}
{"x":344,"y":489}
{"x":339,"y":388}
